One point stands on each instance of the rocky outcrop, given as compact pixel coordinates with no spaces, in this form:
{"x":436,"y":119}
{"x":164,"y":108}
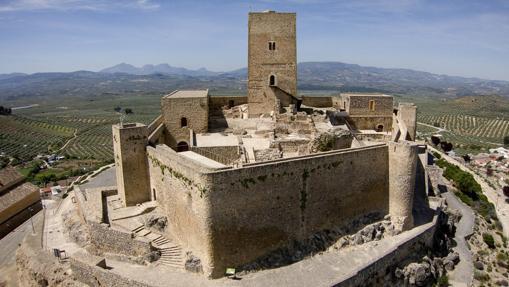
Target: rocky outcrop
{"x":158,"y":222}
{"x":350,"y":234}
{"x":425,"y":273}
{"x":37,"y":267}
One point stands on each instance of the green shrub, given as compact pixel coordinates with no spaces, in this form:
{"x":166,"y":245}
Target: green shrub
{"x":489,"y":240}
{"x":481,"y":276}
{"x":443,"y":281}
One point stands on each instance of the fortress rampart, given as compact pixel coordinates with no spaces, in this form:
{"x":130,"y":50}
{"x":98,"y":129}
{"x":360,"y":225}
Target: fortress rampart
{"x":231,"y":216}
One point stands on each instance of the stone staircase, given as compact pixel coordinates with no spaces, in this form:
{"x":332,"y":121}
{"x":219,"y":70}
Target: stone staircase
{"x":171,"y":253}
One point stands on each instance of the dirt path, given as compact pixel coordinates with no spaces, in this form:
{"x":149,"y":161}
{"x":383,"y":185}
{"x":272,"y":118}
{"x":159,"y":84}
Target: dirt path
{"x":463,"y":272}
{"x":69,"y":141}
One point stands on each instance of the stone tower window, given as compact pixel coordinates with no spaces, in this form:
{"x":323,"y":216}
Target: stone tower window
{"x":272,"y":45}
{"x":272,"y":80}
{"x":372,"y":105}
{"x":183,"y":122}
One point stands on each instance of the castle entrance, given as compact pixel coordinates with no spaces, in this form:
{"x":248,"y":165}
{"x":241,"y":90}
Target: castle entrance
{"x":182,"y":146}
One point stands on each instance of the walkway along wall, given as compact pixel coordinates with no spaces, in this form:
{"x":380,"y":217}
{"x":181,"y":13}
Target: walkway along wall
{"x":230,"y":217}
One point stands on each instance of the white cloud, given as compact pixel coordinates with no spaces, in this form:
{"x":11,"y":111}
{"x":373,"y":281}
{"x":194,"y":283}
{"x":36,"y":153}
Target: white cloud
{"x":66,"y":5}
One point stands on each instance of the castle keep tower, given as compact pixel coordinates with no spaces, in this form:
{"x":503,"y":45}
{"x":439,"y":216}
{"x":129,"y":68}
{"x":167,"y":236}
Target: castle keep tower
{"x":272,"y":61}
{"x":129,"y":149}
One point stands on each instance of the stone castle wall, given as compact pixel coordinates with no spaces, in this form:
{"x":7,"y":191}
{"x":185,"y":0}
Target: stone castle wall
{"x":317,"y":102}
{"x":195,"y":110}
{"x":223,"y":154}
{"x":370,"y":123}
{"x":263,"y":62}
{"x":216,"y":103}
{"x":358,"y":105}
{"x":180,"y":186}
{"x":362,"y":117}
{"x":230,"y":217}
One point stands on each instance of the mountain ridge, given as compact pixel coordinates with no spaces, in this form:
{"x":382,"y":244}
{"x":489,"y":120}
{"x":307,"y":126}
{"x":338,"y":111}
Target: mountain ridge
{"x":330,"y":77}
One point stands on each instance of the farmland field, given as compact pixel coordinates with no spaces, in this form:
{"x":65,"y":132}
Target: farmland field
{"x":82,"y":125}
{"x":472,"y":124}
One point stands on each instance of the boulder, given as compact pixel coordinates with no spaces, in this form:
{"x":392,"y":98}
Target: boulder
{"x":478,"y":265}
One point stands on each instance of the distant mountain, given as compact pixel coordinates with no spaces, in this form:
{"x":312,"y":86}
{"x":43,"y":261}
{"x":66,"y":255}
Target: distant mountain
{"x":331,"y":74}
{"x":328,"y":77}
{"x":157,"y":69}
{"x":11,"y":75}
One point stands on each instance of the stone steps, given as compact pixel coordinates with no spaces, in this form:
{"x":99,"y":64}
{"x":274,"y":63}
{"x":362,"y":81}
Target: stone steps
{"x":143,"y":232}
{"x":137,"y":229}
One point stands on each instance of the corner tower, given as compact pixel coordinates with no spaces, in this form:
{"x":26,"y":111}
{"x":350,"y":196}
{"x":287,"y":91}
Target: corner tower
{"x":129,"y":150}
{"x":272,"y":61}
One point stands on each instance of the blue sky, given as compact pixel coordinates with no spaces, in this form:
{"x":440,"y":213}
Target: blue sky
{"x":465,"y":38}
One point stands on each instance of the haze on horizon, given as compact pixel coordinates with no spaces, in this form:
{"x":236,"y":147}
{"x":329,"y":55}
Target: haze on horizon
{"x":463,"y":38}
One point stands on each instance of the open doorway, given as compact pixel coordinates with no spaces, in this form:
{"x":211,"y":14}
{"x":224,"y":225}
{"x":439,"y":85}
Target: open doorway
{"x":182,"y":146}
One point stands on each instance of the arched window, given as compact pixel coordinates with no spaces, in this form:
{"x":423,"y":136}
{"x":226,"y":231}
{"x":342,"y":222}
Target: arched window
{"x":272,"y":80}
{"x":183,"y":122}
{"x":182,"y":146}
{"x":380,"y":128}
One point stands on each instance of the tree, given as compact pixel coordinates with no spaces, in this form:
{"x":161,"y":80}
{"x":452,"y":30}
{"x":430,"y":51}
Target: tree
{"x":435,"y":140}
{"x":506,"y":141}
{"x":128,"y":111}
{"x":467,"y":158}
{"x":446,"y":146}
{"x":5,"y":111}
{"x":117,"y":109}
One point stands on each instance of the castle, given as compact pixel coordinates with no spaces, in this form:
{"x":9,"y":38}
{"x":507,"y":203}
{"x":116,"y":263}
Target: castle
{"x":239,"y":177}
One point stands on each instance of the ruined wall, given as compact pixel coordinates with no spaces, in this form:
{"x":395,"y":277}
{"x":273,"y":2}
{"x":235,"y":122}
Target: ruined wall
{"x":85,"y":270}
{"x":105,"y":239}
{"x":223,"y":154}
{"x":317,"y":102}
{"x":129,"y":144}
{"x":263,"y":62}
{"x":181,"y":189}
{"x":402,"y":176}
{"x":194,"y":109}
{"x":216,"y":103}
{"x":261,"y":207}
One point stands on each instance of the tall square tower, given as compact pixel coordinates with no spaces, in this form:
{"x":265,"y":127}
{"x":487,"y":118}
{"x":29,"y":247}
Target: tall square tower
{"x":129,"y":148}
{"x":272,"y":61}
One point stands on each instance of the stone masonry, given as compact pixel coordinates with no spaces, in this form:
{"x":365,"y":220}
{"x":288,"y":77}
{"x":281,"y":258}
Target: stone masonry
{"x":129,"y":144}
{"x":272,"y":52}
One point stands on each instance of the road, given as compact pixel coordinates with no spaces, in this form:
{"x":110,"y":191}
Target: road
{"x":9,"y":245}
{"x":68,"y":141}
{"x":463,"y":272}
{"x":494,"y":196}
